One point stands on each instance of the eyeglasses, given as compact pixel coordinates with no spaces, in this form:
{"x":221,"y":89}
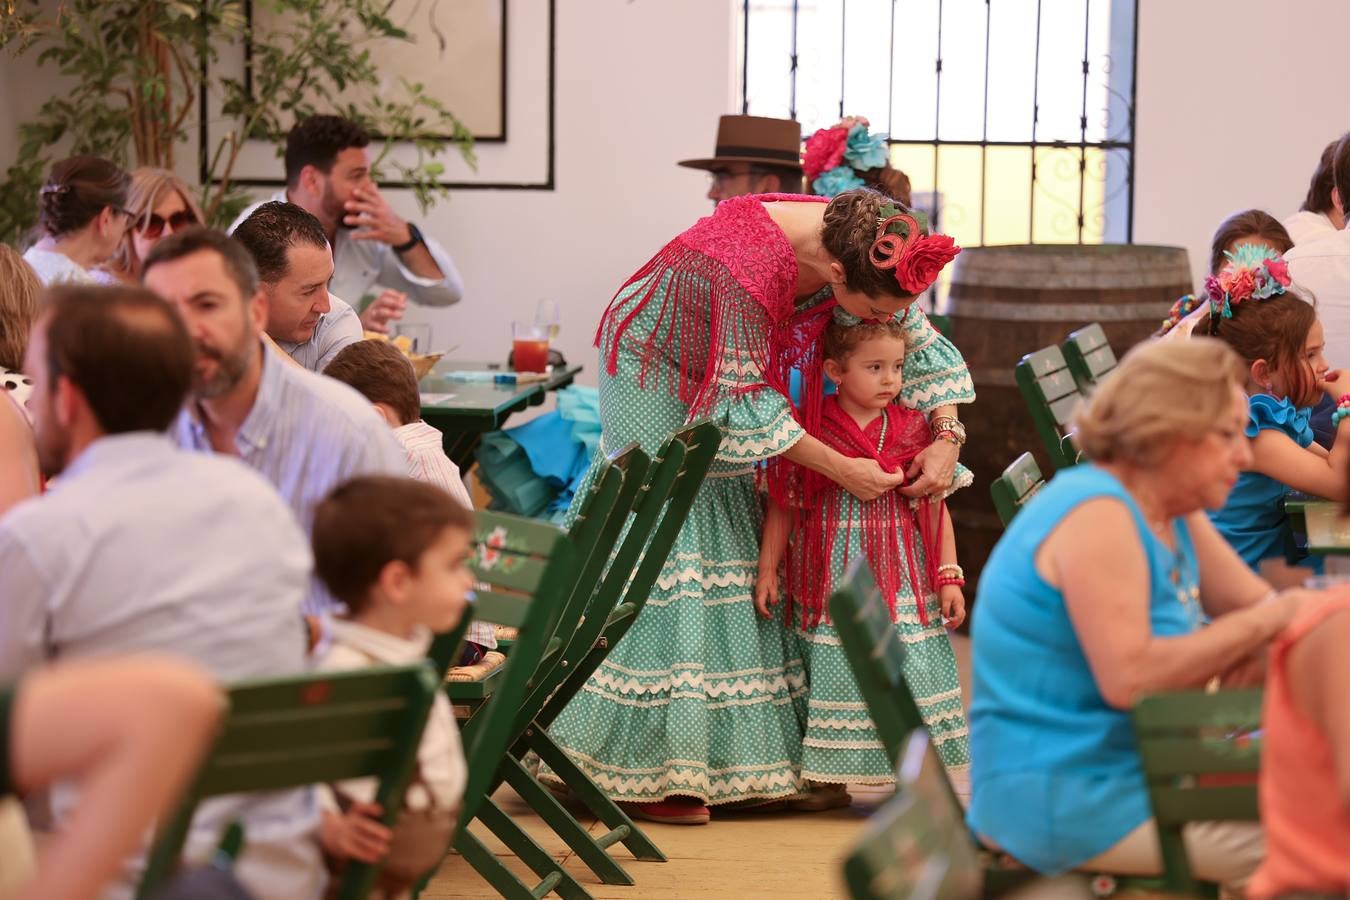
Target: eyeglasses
{"x":153,"y":226}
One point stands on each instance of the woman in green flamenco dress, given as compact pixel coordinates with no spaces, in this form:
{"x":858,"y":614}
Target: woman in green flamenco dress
{"x":701,"y":703}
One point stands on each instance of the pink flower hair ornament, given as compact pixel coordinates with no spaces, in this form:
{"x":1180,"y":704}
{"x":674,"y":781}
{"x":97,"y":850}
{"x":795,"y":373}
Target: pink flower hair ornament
{"x":902,"y":245}
{"x":1252,"y":273}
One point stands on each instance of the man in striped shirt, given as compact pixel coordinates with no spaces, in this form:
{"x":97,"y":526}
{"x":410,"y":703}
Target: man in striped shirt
{"x":303,"y":432}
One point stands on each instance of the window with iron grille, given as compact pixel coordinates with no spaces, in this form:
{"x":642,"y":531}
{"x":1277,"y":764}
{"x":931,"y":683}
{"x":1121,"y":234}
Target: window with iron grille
{"x":1014,"y":119}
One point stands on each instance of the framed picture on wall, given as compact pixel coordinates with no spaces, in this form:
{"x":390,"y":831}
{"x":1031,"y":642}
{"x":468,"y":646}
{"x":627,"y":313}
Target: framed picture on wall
{"x":457,"y":52}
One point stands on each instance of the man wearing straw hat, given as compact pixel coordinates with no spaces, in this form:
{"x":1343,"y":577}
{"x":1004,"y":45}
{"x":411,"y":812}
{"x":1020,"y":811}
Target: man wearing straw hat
{"x":753,"y":155}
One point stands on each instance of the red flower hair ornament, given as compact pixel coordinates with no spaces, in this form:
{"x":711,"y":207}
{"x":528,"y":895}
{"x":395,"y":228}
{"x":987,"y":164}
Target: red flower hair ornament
{"x":902,"y":245}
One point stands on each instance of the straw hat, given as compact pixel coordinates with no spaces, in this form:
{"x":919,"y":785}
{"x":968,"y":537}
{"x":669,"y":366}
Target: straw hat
{"x":754,"y":139}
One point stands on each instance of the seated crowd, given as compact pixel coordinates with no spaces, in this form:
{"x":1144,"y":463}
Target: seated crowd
{"x":202,"y":460}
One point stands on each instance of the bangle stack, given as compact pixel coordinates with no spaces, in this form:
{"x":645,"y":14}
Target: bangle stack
{"x":949,"y":428}
{"x":1342,"y":410}
{"x":950,"y":573}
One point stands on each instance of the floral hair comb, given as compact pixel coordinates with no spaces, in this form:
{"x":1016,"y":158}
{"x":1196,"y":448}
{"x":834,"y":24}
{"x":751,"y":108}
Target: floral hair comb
{"x":902,"y":245}
{"x":1252,"y":273}
{"x":834,"y":156}
{"x":849,"y":320}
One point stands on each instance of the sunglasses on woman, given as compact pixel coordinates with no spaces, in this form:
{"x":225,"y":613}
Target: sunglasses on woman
{"x":153,"y":226}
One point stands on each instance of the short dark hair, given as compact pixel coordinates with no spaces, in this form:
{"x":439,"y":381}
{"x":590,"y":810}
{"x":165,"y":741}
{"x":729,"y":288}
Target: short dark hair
{"x":381,"y":374}
{"x":125,"y":349}
{"x":1318,"y":199}
{"x":238,"y":264}
{"x":77,"y":189}
{"x":272,"y":230}
{"x":1340,"y":168}
{"x":317,"y":141}
{"x":373,"y":520}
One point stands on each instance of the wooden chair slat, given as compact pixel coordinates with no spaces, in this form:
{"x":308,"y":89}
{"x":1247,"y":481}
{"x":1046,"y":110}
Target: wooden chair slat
{"x":1015,"y":487}
{"x":1051,"y":394}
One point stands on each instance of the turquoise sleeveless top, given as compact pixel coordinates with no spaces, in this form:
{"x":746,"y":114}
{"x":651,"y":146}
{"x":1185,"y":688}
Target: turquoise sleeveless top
{"x":1253,"y":519}
{"x":1055,"y":771}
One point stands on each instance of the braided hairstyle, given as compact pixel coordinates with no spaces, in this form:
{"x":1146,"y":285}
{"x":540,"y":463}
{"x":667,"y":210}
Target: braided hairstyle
{"x":849,"y":229}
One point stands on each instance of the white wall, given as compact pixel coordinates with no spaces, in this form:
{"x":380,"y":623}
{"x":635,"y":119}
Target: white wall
{"x":1234,"y":105}
{"x":1236,"y":99}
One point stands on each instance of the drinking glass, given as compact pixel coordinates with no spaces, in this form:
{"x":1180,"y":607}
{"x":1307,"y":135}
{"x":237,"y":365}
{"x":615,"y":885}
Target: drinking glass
{"x":420,"y":335}
{"x":548,"y":316}
{"x":529,"y":344}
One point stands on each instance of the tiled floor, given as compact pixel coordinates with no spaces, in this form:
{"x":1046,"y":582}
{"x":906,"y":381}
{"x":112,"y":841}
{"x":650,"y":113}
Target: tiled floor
{"x":791,"y":856}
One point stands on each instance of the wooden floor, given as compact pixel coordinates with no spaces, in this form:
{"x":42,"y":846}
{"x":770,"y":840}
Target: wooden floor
{"x":792,"y":856}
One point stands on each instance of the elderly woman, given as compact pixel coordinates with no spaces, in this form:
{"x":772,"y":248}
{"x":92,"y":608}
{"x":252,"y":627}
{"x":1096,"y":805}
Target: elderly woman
{"x":1094,"y":598}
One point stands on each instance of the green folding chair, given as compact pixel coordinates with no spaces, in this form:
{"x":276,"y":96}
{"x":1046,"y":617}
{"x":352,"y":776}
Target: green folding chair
{"x":673,"y":482}
{"x":1201,"y":754}
{"x":1051,"y":394}
{"x":317,"y":728}
{"x":604,"y":513}
{"x":1015,"y":487}
{"x":916,"y":846}
{"x":1089,"y":356}
{"x":525,"y":570}
{"x":862,"y":619}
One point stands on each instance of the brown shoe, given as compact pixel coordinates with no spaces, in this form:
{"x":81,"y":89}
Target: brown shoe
{"x":671,"y":811}
{"x":820,"y":798}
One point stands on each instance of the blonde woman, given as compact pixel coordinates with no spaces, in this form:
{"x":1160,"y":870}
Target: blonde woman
{"x":160,"y":204}
{"x":20,"y":292}
{"x":1094,"y":598}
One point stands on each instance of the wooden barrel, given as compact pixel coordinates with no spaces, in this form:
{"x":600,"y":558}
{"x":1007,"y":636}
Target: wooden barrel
{"x":1010,"y":301}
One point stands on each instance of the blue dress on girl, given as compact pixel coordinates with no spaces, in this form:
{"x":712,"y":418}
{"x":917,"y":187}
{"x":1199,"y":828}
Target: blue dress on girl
{"x":1253,"y":520}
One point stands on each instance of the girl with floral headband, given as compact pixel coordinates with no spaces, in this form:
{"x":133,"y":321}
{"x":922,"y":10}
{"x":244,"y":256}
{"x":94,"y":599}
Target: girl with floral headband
{"x":1253,"y":309}
{"x":907,"y":543}
{"x":696,"y":706}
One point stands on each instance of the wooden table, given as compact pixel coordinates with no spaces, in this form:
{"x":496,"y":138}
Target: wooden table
{"x":477,"y":407}
{"x":1322,"y":521}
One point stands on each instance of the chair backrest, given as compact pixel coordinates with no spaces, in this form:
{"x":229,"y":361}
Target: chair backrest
{"x":1089,"y":355}
{"x":309,"y":729}
{"x":1017,"y":485}
{"x":526,"y":570}
{"x":862,"y":619}
{"x":1200,"y":753}
{"x":916,"y":845}
{"x":1051,"y":394}
{"x":662,"y":506}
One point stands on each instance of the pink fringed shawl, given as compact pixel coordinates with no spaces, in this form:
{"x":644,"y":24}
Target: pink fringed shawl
{"x":890,"y":529}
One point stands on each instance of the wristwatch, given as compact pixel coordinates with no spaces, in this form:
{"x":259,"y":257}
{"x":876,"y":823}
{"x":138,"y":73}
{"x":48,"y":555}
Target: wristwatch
{"x":414,"y":238}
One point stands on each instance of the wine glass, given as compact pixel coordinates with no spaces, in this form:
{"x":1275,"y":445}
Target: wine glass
{"x":548,"y":316}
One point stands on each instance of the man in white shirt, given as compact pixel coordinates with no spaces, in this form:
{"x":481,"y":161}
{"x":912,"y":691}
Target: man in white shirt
{"x":1321,"y":267}
{"x":302,"y":432}
{"x":294,"y":265}
{"x":328,"y":173}
{"x":140,"y":546}
{"x":1321,"y":213}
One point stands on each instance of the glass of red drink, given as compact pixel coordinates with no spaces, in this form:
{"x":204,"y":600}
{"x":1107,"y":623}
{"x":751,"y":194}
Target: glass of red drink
{"x":530,"y":347}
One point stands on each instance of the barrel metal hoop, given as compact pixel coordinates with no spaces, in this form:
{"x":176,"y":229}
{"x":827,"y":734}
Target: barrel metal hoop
{"x":1057,"y":312}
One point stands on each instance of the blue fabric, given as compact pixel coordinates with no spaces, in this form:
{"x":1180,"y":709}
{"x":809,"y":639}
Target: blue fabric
{"x":1323,"y":431}
{"x":1055,"y":772}
{"x":1253,"y":520}
{"x":534,"y":469}
{"x":795,"y":387}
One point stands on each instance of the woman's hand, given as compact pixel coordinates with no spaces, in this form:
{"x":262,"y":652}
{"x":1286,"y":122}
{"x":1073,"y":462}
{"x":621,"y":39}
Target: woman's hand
{"x":953,"y":601}
{"x":1250,"y":672}
{"x":936,"y":466}
{"x":865,"y":478}
{"x":766,"y":590}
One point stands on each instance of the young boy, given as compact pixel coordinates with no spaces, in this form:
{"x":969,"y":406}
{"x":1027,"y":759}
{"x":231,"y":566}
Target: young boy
{"x":384,"y":376}
{"x":396,"y":552}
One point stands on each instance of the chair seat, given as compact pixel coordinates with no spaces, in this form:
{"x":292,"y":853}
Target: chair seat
{"x":479,"y":671}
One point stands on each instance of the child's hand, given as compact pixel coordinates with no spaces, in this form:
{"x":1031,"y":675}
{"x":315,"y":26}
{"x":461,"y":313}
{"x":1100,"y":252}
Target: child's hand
{"x":1331,"y":383}
{"x":953,"y":602}
{"x":766,"y":591}
{"x":357,"y":834}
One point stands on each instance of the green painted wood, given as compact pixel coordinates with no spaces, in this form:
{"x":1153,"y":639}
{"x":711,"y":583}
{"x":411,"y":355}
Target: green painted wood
{"x":1194,"y":746}
{"x":916,"y":845}
{"x":290,"y":732}
{"x":446,"y":647}
{"x":1015,"y":487}
{"x":1089,"y":355}
{"x":1051,"y":394}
